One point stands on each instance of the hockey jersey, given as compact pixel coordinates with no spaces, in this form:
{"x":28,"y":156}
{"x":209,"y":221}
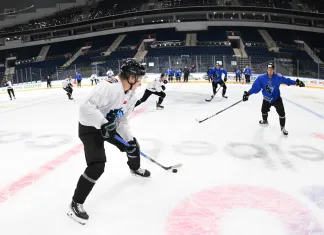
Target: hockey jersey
{"x":110,"y":73}
{"x":155,"y":85}
{"x":178,"y":73}
{"x":217,"y":74}
{"x":270,"y":86}
{"x":9,"y":85}
{"x":105,"y":97}
{"x":78,"y":77}
{"x":170,"y":72}
{"x":93,"y":77}
{"x":67,"y":83}
{"x":247,"y":71}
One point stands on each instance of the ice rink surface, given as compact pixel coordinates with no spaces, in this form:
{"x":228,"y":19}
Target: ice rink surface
{"x":237,"y":177}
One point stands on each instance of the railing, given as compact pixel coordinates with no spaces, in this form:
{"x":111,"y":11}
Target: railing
{"x":195,"y":63}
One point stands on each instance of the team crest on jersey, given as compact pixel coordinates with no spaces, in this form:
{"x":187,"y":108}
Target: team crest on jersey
{"x":269,"y":88}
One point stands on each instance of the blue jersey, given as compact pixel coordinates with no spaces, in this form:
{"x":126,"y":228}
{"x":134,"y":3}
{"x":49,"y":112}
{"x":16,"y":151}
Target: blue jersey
{"x":210,"y":72}
{"x":217,"y":74}
{"x":170,"y":72}
{"x":270,"y":86}
{"x":238,"y":73}
{"x":247,"y":71}
{"x":178,"y":73}
{"x":78,"y":77}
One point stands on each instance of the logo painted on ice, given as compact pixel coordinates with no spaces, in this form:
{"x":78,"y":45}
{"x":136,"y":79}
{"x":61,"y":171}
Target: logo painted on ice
{"x":208,"y":211}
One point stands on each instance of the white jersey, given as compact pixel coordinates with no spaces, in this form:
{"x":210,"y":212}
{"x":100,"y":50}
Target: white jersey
{"x":103,"y":98}
{"x":94,"y":77}
{"x":155,"y":85}
{"x":66,"y":83}
{"x":110,"y":73}
{"x":9,"y":85}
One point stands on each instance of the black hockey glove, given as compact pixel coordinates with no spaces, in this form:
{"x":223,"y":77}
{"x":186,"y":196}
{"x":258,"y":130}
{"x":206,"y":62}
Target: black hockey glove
{"x":134,"y":149}
{"x":246,"y":96}
{"x":108,"y":130}
{"x":225,"y":79}
{"x":163,"y":87}
{"x":300,"y":83}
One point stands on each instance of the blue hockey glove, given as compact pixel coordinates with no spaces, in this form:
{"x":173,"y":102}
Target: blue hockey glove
{"x":114,"y":114}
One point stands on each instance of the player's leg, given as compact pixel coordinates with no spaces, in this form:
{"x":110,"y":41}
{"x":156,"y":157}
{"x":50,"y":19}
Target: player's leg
{"x":95,"y":155}
{"x":161,"y":95}
{"x":224,"y":89}
{"x":265,"y":110}
{"x":282,"y":114}
{"x":145,"y":96}
{"x":9,"y":93}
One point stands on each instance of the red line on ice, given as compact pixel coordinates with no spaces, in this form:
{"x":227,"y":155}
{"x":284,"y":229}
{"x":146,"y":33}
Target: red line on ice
{"x":31,"y":178}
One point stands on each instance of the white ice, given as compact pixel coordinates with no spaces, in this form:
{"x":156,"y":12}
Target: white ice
{"x":230,"y":149}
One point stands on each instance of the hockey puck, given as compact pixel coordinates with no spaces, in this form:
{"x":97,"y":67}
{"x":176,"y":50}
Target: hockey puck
{"x":174,"y":170}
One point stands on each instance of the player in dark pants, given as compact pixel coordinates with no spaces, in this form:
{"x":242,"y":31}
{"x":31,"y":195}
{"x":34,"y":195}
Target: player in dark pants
{"x":270,"y":83}
{"x":102,"y":116}
{"x":156,"y":87}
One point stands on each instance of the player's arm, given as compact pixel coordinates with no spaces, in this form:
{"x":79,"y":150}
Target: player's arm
{"x":288,"y":81}
{"x":256,"y":88}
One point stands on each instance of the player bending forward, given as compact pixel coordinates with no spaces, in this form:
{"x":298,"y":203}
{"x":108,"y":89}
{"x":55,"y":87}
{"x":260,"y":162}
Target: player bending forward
{"x":157,"y":88}
{"x":98,"y":123}
{"x":269,"y":83}
{"x":67,"y":86}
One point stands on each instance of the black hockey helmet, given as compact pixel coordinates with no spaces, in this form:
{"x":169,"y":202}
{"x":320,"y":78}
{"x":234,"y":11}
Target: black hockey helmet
{"x":132,"y":67}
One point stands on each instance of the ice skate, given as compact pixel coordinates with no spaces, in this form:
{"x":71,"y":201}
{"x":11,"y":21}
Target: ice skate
{"x":159,"y":107}
{"x":77,"y":213}
{"x":264,"y":122}
{"x":284,"y":131}
{"x":224,"y":96}
{"x":141,"y":172}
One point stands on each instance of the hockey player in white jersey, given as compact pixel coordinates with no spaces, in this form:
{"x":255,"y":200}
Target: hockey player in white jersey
{"x":110,"y":75}
{"x":94,"y":79}
{"x":157,"y":88}
{"x":10,"y":89}
{"x":67,"y":86}
{"x":102,"y":116}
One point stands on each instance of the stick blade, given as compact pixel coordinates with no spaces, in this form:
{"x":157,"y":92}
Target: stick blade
{"x":174,"y":166}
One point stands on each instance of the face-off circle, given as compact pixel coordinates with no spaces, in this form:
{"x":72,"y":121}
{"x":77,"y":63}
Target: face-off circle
{"x":318,"y":136}
{"x":202,"y":213}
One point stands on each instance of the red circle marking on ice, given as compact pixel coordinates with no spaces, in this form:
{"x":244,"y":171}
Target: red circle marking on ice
{"x":318,"y":136}
{"x":201,"y":213}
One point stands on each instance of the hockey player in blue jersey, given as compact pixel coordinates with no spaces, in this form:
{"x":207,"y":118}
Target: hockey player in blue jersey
{"x":270,"y":83}
{"x":248,"y":73}
{"x":217,"y":73}
{"x":170,"y":73}
{"x":178,"y":75}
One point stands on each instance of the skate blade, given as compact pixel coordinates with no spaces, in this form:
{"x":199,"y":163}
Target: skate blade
{"x":75,"y":218}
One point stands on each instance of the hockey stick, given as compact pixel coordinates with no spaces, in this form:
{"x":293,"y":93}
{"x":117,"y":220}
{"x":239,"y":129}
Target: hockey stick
{"x":200,"y":121}
{"x":152,"y":160}
{"x":213,"y":95}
